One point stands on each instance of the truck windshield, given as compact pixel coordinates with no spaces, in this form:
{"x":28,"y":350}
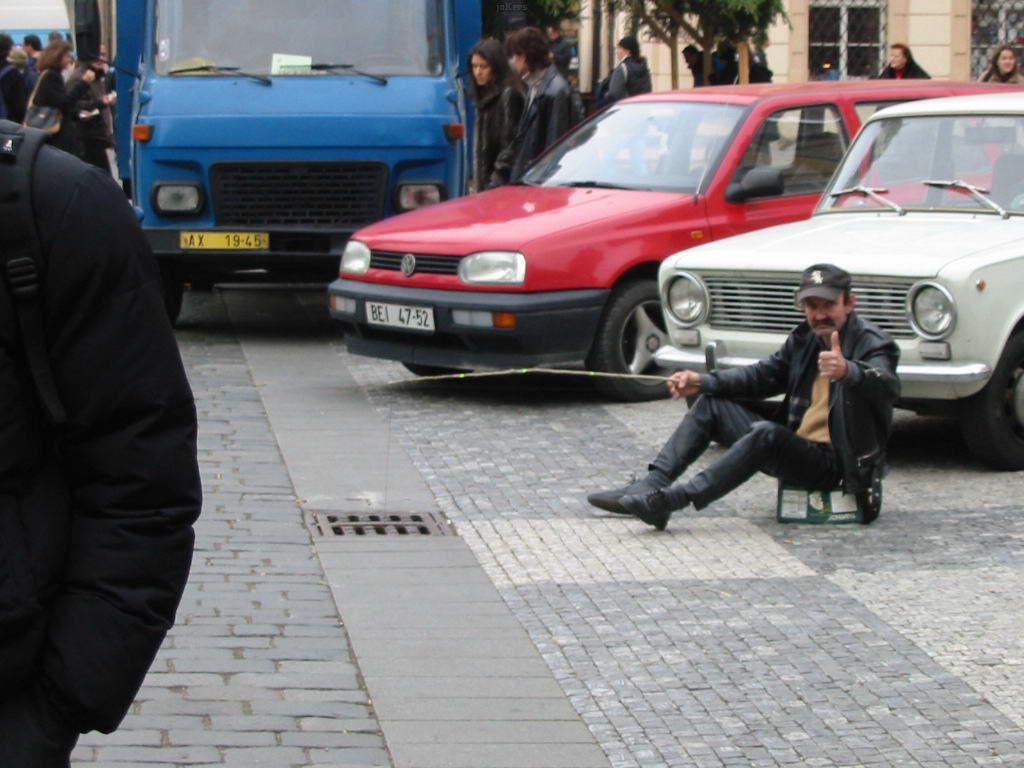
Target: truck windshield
{"x":270,"y":37}
{"x":969,"y":163}
{"x":666,"y":146}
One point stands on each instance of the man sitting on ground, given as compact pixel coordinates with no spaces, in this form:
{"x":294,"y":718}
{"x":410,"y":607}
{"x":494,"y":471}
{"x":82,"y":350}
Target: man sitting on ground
{"x":838,"y":374}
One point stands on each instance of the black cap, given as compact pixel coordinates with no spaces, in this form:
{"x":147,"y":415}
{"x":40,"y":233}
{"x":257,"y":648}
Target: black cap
{"x":825,"y":281}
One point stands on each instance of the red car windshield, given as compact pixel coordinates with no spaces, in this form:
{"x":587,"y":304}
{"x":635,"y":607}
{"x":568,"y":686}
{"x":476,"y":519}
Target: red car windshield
{"x":663,"y":146}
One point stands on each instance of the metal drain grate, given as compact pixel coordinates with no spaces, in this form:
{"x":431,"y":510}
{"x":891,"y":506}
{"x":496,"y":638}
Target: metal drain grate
{"x":379,"y":524}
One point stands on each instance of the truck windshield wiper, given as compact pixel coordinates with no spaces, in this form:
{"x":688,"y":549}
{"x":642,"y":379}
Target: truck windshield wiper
{"x":224,"y":70}
{"x":593,"y":185}
{"x":975,"y":192}
{"x":321,"y":67}
{"x":873,"y":193}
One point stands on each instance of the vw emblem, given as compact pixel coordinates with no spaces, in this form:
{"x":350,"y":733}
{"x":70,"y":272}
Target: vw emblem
{"x":408,"y":265}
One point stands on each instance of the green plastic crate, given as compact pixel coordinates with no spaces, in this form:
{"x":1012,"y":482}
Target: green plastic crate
{"x":799,"y":505}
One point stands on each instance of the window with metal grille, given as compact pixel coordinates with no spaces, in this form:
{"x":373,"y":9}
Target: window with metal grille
{"x":994,"y":23}
{"x":847,"y":39}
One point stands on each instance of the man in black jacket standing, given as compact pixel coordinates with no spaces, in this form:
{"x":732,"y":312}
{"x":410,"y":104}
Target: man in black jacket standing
{"x":838,"y":374}
{"x":99,"y":486}
{"x":549,"y":111}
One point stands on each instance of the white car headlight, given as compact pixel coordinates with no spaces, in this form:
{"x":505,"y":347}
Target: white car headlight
{"x":932,"y":311}
{"x":413,"y":196}
{"x":356,"y":258}
{"x":493,"y":268}
{"x":687,"y":299}
{"x":178,"y":199}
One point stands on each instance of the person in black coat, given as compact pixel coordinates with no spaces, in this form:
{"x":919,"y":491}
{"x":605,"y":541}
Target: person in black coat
{"x":902,"y":66}
{"x":52,"y":92}
{"x":630,"y":77}
{"x":562,"y":51}
{"x":549,"y":107}
{"x":837,"y":372}
{"x":12,"y":83}
{"x":498,"y":95}
{"x":91,"y":114}
{"x":96,"y":516}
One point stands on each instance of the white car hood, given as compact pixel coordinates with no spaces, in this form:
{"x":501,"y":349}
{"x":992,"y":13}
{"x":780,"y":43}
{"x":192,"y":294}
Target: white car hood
{"x":914,"y":245}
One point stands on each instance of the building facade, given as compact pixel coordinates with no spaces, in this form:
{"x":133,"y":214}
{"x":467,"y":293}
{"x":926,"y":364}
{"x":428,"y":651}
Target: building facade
{"x":846,"y":39}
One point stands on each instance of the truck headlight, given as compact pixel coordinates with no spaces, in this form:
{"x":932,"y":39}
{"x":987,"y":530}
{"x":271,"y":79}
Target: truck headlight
{"x":687,"y":299}
{"x":413,"y":196}
{"x":355,"y":259}
{"x":178,"y":199}
{"x":493,"y":268}
{"x":931,"y":311}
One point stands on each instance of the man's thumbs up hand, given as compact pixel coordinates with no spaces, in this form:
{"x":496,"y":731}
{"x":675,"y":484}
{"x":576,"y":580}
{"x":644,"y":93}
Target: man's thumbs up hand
{"x":831,"y":363}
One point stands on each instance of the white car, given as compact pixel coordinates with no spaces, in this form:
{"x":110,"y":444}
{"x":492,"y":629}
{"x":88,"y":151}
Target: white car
{"x":926,"y":212}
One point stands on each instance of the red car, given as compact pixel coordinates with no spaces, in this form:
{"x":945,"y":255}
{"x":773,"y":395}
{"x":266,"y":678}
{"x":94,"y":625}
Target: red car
{"x":561,"y":268}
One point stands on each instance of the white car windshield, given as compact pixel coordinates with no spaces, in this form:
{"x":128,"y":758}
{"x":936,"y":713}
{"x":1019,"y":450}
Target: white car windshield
{"x":270,"y":37}
{"x":968,"y":163}
{"x":667,"y":146}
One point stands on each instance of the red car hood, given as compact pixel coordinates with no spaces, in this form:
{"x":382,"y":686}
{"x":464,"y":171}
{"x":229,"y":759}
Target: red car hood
{"x":509,"y":218}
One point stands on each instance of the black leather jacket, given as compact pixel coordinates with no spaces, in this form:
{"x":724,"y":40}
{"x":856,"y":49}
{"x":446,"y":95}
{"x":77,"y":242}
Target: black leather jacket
{"x":497,"y":118}
{"x":546,"y":118}
{"x":860,"y":405}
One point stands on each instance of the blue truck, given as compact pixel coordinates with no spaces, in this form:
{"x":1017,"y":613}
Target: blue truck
{"x":255,"y":136}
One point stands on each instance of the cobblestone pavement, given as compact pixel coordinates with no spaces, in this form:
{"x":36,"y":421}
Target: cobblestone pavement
{"x":731,"y":640}
{"x":258,"y":671}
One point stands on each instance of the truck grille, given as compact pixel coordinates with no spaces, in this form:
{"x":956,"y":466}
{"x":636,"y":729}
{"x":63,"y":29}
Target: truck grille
{"x":329,"y":196}
{"x":767,"y":303}
{"x":434,"y":265}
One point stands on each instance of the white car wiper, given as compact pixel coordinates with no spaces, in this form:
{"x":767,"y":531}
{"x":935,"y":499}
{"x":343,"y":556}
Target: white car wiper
{"x":976,"y":192}
{"x":873,"y":193}
{"x":322,"y":67}
{"x":216,"y":69}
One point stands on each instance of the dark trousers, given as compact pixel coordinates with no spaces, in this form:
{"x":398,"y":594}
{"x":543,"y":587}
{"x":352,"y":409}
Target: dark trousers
{"x":32,"y":735}
{"x":95,"y":153}
{"x":754,"y":446}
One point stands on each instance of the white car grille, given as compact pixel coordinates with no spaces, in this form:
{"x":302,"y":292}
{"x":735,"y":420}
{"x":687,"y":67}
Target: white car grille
{"x":767,"y":303}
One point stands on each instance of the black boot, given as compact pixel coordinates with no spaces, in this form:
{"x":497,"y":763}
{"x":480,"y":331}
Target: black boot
{"x":655,"y":507}
{"x":611,"y":501}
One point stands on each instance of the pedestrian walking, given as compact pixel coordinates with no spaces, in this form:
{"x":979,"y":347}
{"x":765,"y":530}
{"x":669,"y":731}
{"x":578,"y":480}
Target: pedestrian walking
{"x":51,"y":91}
{"x":498,"y":95}
{"x":694,"y":58}
{"x":1003,"y":68}
{"x":13,"y":92}
{"x":548,"y":113}
{"x":902,"y":66}
{"x":630,"y":77}
{"x":91,"y":114}
{"x":99,"y":483}
{"x":562,"y":51}
{"x":33,"y":46}
{"x":837,"y":372}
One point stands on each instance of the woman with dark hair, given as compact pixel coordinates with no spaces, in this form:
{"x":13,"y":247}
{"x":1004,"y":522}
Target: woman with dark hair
{"x":902,"y":65}
{"x":1003,"y":68}
{"x":499,"y":98}
{"x":549,"y":107}
{"x":50,"y":91}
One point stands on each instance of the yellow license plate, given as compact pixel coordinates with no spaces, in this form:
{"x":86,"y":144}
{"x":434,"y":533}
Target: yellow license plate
{"x":225,"y":241}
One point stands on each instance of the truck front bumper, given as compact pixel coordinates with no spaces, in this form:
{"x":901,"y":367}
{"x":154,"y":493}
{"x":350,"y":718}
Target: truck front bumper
{"x":287,"y":249}
{"x":551,"y":328}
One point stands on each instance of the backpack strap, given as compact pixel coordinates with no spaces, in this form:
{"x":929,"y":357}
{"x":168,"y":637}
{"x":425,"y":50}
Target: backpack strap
{"x":21,"y":256}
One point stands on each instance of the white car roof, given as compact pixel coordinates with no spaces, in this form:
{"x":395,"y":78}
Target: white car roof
{"x":1011,"y":102}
